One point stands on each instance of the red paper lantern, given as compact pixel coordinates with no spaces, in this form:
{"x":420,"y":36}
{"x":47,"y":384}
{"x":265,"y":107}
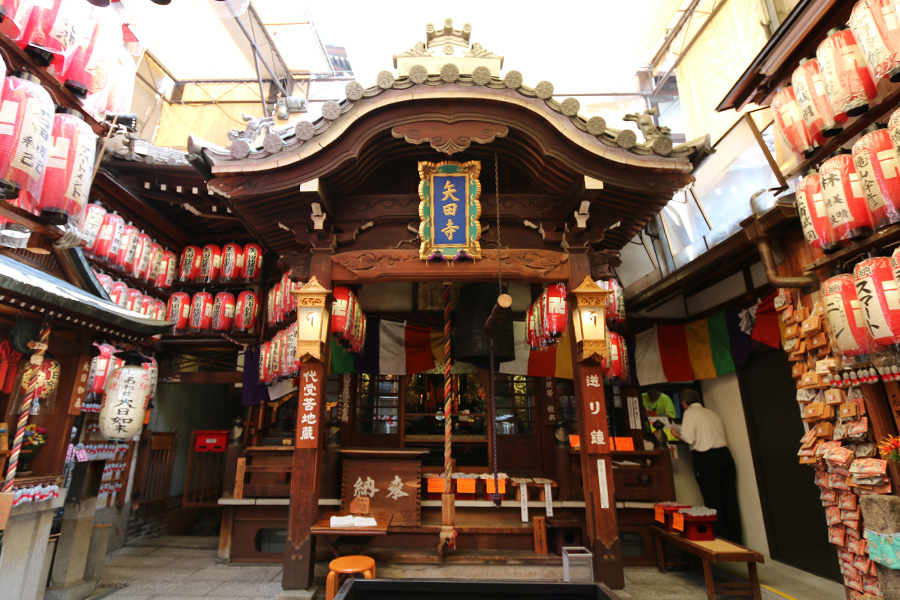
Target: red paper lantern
{"x":125,"y":401}
{"x":554,"y":311}
{"x":101,"y":365}
{"x":13,"y":17}
{"x":76,"y":73}
{"x":278,"y":302}
{"x":270,"y":307}
{"x":531,"y":335}
{"x":141,"y":269}
{"x":26,"y":122}
{"x":223,"y":311}
{"x":357,"y":344}
{"x":356,"y":331}
{"x":156,"y":258}
{"x":288,"y":285}
{"x":618,"y":357}
{"x":67,"y":178}
{"x":339,"y":309}
{"x":251,"y":265}
{"x":128,"y":248}
{"x":275,"y":357}
{"x":245,"y":311}
{"x":49,"y":34}
{"x":232,"y":259}
{"x":105,"y":281}
{"x":159,"y":310}
{"x":110,"y":238}
{"x":874,"y":25}
{"x":264,"y":350}
{"x":118,"y":294}
{"x":615,"y":303}
{"x":790,"y":122}
{"x":201,"y":312}
{"x":189,"y":267}
{"x":844,"y":199}
{"x":813,"y":214}
{"x":878,"y":166}
{"x":848,"y":326}
{"x":133,"y":300}
{"x":178,"y":311}
{"x":165,"y":276}
{"x":879,"y":298}
{"x":210,"y":261}
{"x":809,"y":90}
{"x":90,"y":226}
{"x":147,"y":306}
{"x":289,"y":355}
{"x":848,"y":83}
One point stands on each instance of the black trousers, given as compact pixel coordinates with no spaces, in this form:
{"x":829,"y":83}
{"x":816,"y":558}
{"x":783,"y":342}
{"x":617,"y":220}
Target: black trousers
{"x":717,"y":479}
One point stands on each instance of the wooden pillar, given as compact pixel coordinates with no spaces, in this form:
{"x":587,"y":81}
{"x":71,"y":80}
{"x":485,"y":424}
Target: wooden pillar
{"x":596,"y":461}
{"x":306,"y":474}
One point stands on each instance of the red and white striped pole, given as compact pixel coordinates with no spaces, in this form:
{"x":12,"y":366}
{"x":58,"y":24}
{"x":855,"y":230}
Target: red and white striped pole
{"x":448,"y":391}
{"x":31,"y":392}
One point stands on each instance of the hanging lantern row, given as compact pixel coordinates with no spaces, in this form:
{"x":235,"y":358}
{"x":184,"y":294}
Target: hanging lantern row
{"x":853,"y":193}
{"x":227,"y":264}
{"x":92,"y":50}
{"x":280,"y":303}
{"x":126,"y":249}
{"x":547,"y":317}
{"x":204,"y":313}
{"x":131,"y":298}
{"x":348,"y":322}
{"x":851,"y":66}
{"x":863,"y":311}
{"x":278,"y":357}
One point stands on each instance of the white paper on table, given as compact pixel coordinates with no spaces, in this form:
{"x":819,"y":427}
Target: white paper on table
{"x":337,"y":521}
{"x":351,"y":521}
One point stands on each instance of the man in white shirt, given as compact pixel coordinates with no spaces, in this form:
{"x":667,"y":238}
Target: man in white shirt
{"x":714,"y":468}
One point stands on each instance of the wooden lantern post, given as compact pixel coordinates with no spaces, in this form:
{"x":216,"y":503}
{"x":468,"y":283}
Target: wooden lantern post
{"x":593,"y":429}
{"x":306,"y":474}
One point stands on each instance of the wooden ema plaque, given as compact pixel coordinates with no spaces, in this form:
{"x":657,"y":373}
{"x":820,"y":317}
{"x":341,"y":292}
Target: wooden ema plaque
{"x":391,"y":486}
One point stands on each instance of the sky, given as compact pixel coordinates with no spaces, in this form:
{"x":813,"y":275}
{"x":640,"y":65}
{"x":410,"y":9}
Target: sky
{"x":579,"y":46}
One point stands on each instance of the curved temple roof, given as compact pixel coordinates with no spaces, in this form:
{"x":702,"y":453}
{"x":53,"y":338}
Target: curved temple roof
{"x":462,"y":72}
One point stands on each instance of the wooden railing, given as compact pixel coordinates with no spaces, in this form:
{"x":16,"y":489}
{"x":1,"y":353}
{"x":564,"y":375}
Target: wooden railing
{"x":155,"y":475}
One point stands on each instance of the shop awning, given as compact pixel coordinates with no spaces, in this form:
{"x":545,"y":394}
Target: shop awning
{"x":36,"y":291}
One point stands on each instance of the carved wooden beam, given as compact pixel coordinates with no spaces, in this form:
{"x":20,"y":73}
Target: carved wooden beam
{"x":450,"y":138}
{"x":371,"y":266}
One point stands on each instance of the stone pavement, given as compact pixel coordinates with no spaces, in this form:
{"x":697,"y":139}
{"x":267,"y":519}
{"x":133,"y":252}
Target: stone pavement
{"x":187,"y":568}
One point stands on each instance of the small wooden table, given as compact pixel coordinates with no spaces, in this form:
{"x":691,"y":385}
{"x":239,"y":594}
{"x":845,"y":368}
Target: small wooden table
{"x":713,"y":551}
{"x":323,"y":528}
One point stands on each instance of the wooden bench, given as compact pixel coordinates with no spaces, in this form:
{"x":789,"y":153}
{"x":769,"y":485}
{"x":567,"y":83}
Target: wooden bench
{"x":714,"y":551}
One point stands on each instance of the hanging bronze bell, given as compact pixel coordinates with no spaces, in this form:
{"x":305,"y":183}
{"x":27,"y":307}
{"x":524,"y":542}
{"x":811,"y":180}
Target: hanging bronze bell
{"x":476,"y":301}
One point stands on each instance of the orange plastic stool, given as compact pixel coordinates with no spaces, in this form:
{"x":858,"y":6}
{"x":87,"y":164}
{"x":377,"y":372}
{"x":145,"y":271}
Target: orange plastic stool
{"x":347,"y":565}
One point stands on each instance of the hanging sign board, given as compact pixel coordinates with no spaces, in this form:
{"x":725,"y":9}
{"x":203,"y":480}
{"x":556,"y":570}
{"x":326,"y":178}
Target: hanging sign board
{"x":449,"y":210}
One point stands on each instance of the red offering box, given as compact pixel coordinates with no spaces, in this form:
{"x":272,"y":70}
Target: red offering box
{"x":211,"y":441}
{"x":699,"y":529}
{"x":465,"y":489}
{"x":434,"y":488}
{"x":667,"y":510}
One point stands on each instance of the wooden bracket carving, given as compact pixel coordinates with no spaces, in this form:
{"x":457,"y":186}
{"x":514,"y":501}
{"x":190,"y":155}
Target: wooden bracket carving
{"x":603,"y":262}
{"x":297,"y":263}
{"x":450,"y":138}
